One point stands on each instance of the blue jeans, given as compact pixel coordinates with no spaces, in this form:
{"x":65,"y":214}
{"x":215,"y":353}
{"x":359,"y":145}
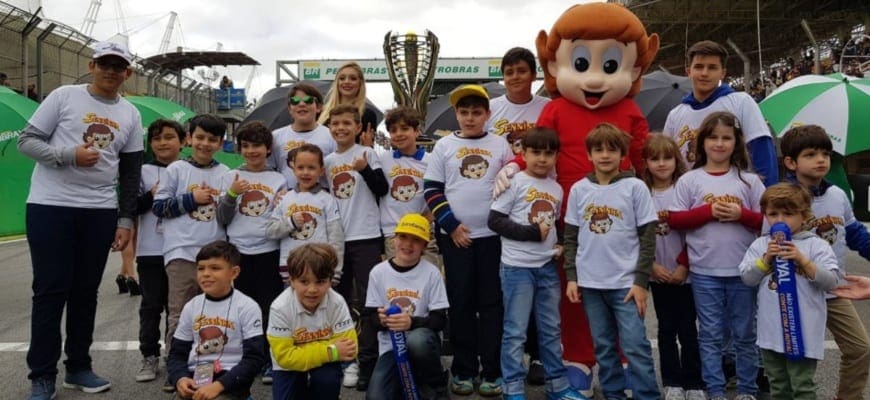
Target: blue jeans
{"x":68,"y":251}
{"x":726,"y":304}
{"x":525,"y":290}
{"x":323,"y":382}
{"x":612,"y":320}
{"x":424,"y":354}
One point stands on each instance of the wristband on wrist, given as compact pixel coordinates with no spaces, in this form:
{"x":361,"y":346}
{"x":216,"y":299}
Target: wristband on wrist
{"x":333,"y":352}
{"x":232,"y":194}
{"x":761,"y":265}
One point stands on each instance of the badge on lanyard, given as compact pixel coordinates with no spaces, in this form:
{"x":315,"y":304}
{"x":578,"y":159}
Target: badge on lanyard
{"x":203,"y":374}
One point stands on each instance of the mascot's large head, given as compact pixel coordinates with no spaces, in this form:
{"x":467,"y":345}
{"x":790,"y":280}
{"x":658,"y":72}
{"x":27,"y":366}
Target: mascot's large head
{"x":595,"y":54}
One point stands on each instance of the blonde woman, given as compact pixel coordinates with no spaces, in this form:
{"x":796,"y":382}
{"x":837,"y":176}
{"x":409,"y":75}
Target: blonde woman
{"x":349,"y":87}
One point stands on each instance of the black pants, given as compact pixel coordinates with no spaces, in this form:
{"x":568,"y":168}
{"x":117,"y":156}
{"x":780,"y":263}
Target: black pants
{"x":360,"y":256}
{"x":152,"y":280}
{"x":675,"y":310}
{"x":476,"y":310}
{"x":68,"y":251}
{"x":260,"y":280}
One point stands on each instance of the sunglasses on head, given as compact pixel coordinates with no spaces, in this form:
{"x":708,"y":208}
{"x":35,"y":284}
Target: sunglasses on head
{"x":110,"y":65}
{"x":307,"y":100}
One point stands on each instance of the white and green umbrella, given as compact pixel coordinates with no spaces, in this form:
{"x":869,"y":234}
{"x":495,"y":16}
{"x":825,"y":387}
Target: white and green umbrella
{"x":838,"y":103}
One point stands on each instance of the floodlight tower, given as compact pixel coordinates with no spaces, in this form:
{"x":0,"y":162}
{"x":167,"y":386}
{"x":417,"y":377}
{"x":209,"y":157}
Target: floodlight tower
{"x":167,"y":34}
{"x":91,"y":17}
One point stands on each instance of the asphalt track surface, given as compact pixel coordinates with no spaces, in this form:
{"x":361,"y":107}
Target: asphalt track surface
{"x":116,"y":356}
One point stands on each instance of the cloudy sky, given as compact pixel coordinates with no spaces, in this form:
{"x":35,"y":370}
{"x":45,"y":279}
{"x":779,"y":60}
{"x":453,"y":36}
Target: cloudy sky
{"x":268,"y":30}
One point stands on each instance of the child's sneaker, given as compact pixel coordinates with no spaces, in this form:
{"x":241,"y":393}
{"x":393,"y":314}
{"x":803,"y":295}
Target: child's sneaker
{"x":567,"y":394}
{"x":462,"y":387}
{"x":674,"y":393}
{"x":42,"y":389}
{"x":490,"y":388}
{"x":86,"y":381}
{"x":514,"y":397}
{"x":148,"y":371}
{"x":536,"y":375}
{"x":351,"y":375}
{"x":580,"y":377}
{"x":696,"y":395}
{"x":168,"y":387}
{"x":744,"y":397}
{"x":267,"y":379}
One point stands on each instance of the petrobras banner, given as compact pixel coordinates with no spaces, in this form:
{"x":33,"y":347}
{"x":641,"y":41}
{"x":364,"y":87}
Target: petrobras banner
{"x":375,"y":70}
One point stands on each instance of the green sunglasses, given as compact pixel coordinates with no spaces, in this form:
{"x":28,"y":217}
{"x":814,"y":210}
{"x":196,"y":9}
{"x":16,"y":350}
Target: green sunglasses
{"x":307,"y":100}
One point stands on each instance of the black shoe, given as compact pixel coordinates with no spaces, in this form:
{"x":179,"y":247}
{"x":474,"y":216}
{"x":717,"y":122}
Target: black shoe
{"x":135,"y":290}
{"x":536,"y":375}
{"x":362,"y":385}
{"x":168,"y":387}
{"x":122,"y":284}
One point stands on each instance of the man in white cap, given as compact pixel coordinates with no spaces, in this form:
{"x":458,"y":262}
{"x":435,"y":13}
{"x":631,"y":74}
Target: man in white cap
{"x":82,"y":138}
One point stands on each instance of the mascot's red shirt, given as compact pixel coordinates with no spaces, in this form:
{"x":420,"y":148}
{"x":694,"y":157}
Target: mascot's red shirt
{"x":573,"y":122}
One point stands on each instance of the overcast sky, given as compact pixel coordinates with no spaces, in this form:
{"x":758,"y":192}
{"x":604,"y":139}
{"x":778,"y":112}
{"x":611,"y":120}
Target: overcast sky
{"x":268,"y":30}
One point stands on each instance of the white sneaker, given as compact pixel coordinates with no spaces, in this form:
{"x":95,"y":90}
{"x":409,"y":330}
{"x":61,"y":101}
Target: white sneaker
{"x":696,"y":395}
{"x":674,"y":393}
{"x":148,"y":371}
{"x":351,"y":375}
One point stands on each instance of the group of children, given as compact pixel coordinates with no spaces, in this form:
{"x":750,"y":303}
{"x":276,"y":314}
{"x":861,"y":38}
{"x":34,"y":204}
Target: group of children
{"x":321,"y":225}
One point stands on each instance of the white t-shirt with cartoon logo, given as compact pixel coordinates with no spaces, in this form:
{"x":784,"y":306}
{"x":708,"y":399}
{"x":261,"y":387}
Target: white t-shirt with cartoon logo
{"x":186,"y":234}
{"x":286,"y":139}
{"x":716,"y":248}
{"x":669,"y":242}
{"x":405,"y":179}
{"x":248,"y":229}
{"x":360,"y":216}
{"x":506,"y":117}
{"x":289,"y":319}
{"x":149,"y":232}
{"x":832,"y":213}
{"x":416,"y":291}
{"x":608,"y":217}
{"x":218,"y":328}
{"x":318,"y":210}
{"x":70,"y":116}
{"x":467,"y":167}
{"x":530,"y":200}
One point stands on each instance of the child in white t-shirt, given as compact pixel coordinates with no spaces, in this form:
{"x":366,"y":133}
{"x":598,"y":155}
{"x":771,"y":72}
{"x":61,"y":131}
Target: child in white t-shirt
{"x":304,"y":103}
{"x":416,"y":286}
{"x":610,"y":225}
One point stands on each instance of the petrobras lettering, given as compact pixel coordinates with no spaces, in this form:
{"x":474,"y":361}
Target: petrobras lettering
{"x":377,"y":70}
{"x":9,"y":135}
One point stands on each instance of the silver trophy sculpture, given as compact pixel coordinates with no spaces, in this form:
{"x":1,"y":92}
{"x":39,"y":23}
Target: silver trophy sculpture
{"x":411,"y":61}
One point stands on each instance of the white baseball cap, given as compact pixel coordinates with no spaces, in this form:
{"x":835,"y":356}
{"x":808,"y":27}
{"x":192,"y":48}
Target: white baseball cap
{"x":102,"y":49}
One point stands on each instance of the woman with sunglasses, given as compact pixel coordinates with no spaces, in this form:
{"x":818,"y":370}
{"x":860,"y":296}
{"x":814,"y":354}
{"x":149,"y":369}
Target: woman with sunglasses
{"x":304,"y":102}
{"x":349,"y":87}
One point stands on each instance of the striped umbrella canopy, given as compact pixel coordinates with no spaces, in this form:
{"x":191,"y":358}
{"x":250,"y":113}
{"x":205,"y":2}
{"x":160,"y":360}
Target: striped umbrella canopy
{"x":838,"y":103}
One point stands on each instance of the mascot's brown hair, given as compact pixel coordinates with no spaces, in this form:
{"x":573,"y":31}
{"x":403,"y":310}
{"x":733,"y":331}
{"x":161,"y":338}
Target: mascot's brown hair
{"x":253,"y":203}
{"x":404,"y":188}
{"x":596,"y":21}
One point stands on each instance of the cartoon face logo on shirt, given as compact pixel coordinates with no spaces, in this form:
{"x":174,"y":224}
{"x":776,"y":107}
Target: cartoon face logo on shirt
{"x":404,"y":188}
{"x":342,"y":185}
{"x":306,"y":231}
{"x":473,"y":167}
{"x":828,"y":232}
{"x":600,"y":223}
{"x":542,"y":213}
{"x":691,"y":150}
{"x":405,"y":304}
{"x":211,"y":340}
{"x":98,"y":134}
{"x":254,"y":203}
{"x":204,"y":212}
{"x":662,"y":227}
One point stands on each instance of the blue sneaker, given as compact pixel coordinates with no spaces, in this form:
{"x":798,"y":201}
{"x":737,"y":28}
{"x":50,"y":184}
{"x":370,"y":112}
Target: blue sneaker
{"x":86,"y":381}
{"x":567,"y":394}
{"x":489,"y":388}
{"x":580,"y":378}
{"x":42,"y":389}
{"x":514,"y":397}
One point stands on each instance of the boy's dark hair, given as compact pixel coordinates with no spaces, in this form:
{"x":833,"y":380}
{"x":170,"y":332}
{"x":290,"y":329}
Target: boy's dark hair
{"x":307,"y":89}
{"x":254,"y":132}
{"x":605,"y":134}
{"x":405,"y":114}
{"x":803,"y":137}
{"x":707,"y":48}
{"x":518,"y":54}
{"x":541,"y":139}
{"x":473,"y":101}
{"x":210,"y":123}
{"x":320,"y":258}
{"x":220,"y":249}
{"x":305,"y":148}
{"x":157,"y":126}
{"x":788,"y":197}
{"x":345,"y":109}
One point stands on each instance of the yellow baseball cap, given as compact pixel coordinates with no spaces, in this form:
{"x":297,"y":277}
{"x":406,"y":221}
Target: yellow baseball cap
{"x":467,"y":90}
{"x":414,"y":225}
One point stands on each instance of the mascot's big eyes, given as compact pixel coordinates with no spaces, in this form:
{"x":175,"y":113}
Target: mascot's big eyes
{"x":581,"y":58}
{"x":612,"y":57}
